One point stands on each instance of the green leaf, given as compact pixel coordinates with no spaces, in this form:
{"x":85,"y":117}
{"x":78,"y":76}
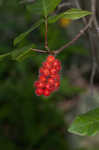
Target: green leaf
{"x":43,"y":7}
{"x":21,"y":54}
{"x":69,"y":14}
{"x":23,"y":35}
{"x":86,"y":124}
{"x":3,"y":56}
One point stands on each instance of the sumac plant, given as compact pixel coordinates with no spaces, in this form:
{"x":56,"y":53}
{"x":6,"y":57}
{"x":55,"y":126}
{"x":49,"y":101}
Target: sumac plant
{"x":49,"y":73}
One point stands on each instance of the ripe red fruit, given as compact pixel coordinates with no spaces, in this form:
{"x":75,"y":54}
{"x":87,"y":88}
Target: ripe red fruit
{"x":44,"y":71}
{"x":46,"y":92}
{"x":53,"y":70}
{"x":51,"y":81}
{"x":58,"y":68}
{"x":50,"y":58}
{"x":47,"y":65}
{"x":40,"y":84}
{"x":39,"y":91}
{"x":49,"y":86}
{"x":41,"y":70}
{"x":49,"y":77}
{"x":55,"y":77}
{"x":36,"y":83}
{"x":57,"y":85}
{"x":42,"y":78}
{"x":56,"y":63}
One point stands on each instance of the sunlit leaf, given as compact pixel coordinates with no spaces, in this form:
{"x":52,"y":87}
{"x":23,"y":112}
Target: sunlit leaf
{"x":72,"y":14}
{"x":3,"y":56}
{"x":86,"y":124}
{"x":21,"y":54}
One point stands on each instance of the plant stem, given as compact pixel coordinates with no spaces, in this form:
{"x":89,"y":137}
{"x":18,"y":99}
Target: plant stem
{"x":93,"y":53}
{"x":46,"y":31}
{"x":82,"y":31}
{"x":39,"y":50}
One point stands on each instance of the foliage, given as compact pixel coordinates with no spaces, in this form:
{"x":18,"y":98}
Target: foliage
{"x":27,"y":121}
{"x":44,"y":8}
{"x":86,"y":124}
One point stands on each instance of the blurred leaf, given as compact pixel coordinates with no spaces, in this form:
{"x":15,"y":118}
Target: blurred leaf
{"x":43,"y":7}
{"x":21,"y":54}
{"x":23,"y":35}
{"x":69,"y":14}
{"x":86,"y":124}
{"x":3,"y":56}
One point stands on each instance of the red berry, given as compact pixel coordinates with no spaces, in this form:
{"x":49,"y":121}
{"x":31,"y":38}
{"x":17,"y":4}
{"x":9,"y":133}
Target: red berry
{"x":53,"y":71}
{"x":55,"y":77}
{"x":49,"y":86}
{"x":46,"y":92}
{"x":57,"y":84}
{"x":36,"y":83}
{"x":40,"y":84}
{"x":42,"y":78}
{"x":56,"y":63}
{"x":44,"y":71}
{"x":41,"y":70}
{"x":39,"y":91}
{"x":58,"y":68}
{"x":51,"y":81}
{"x":47,"y":65}
{"x":50,"y":58}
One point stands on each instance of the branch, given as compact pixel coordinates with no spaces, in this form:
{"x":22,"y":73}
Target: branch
{"x":94,"y":14}
{"x":93,"y":72}
{"x":94,"y":57}
{"x":39,"y":51}
{"x":92,"y":43}
{"x":82,"y":31}
{"x":46,"y":31}
{"x":62,"y":5}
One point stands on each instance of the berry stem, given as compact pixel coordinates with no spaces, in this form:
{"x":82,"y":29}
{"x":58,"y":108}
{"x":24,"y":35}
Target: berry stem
{"x":82,"y":31}
{"x":39,"y":50}
{"x":46,"y":31}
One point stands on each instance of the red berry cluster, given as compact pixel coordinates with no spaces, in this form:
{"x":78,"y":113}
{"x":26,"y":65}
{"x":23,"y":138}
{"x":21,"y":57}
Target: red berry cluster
{"x":49,"y":77}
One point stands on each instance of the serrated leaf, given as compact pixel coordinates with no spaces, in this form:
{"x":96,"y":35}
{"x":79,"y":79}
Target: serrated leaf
{"x":72,"y":14}
{"x":21,"y":54}
{"x":23,"y":35}
{"x":86,"y":124}
{"x":43,"y":7}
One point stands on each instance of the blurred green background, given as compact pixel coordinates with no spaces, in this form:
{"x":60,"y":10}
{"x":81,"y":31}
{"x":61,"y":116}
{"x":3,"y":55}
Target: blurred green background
{"x":29,"y":122}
